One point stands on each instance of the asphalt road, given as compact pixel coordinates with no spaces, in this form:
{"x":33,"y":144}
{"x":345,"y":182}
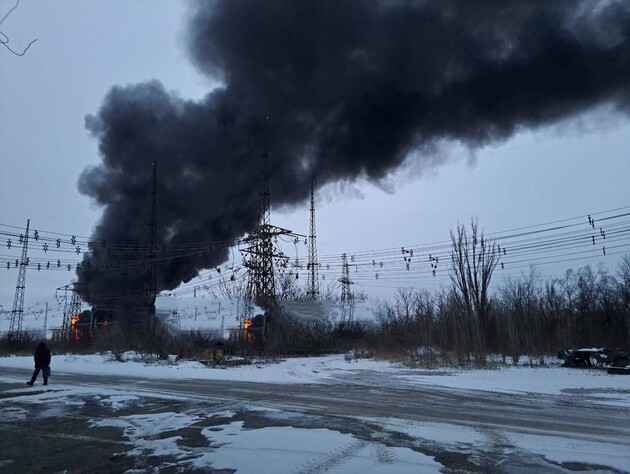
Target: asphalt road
{"x":44,"y":438}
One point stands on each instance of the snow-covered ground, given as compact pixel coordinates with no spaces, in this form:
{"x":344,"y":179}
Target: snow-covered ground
{"x":293,"y":370}
{"x":288,"y":447}
{"x":548,"y":380}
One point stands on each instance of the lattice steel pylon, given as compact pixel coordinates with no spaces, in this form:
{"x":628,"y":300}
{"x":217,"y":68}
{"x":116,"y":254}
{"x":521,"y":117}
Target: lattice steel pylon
{"x":312,"y":266}
{"x":261,"y":251}
{"x":17,"y":314}
{"x":261,"y":286}
{"x":69,"y":310}
{"x":347,"y":302}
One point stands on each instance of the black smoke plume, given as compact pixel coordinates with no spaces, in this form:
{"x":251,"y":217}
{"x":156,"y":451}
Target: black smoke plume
{"x":351,"y":88}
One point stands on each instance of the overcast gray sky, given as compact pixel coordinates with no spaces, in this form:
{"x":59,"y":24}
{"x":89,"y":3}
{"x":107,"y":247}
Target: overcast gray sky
{"x":574,"y":168}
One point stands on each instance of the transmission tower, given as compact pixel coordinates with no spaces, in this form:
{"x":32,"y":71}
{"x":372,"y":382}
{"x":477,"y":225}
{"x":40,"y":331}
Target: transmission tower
{"x":17,"y":314}
{"x":347,"y":302}
{"x":313,"y":277}
{"x":264,"y":284}
{"x":69,"y":310}
{"x":261,"y":287}
{"x":261,"y":251}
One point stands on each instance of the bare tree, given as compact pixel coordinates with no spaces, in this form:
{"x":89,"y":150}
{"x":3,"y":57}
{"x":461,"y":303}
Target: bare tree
{"x":288,"y":288}
{"x":473,"y":261}
{"x":226,"y":288}
{"x":4,"y":39}
{"x":557,"y":312}
{"x":521,"y":320}
{"x":623,"y":272}
{"x":330,"y":292}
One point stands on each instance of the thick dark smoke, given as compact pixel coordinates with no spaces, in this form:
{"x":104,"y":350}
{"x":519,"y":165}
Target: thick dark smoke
{"x":351,"y":89}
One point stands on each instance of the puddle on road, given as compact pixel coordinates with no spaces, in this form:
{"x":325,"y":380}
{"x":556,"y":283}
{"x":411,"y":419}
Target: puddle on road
{"x":214,"y":432}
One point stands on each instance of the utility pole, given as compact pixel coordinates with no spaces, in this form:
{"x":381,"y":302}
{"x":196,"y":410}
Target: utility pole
{"x":142,"y":311}
{"x":17,"y":314}
{"x":313,"y":277}
{"x":124,"y":303}
{"x":152,"y":267}
{"x":222,"y":322}
{"x":45,"y":323}
{"x":92,"y":324}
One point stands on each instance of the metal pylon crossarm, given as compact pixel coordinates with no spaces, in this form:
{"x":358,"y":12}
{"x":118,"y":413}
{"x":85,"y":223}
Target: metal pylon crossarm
{"x":262,"y":253}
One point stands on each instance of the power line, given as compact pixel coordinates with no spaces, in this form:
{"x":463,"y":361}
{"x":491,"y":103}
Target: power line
{"x":603,"y":235}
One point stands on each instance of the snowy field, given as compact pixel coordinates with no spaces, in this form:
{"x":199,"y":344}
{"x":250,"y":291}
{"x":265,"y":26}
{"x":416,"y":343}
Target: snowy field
{"x":287,"y":440}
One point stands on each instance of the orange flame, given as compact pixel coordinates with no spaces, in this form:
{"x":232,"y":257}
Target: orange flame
{"x":74,"y":319}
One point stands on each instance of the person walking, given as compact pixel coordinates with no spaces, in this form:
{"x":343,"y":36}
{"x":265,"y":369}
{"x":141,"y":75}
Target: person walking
{"x":42,"y":362}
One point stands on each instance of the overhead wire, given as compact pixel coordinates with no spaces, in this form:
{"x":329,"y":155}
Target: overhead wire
{"x":548,"y":244}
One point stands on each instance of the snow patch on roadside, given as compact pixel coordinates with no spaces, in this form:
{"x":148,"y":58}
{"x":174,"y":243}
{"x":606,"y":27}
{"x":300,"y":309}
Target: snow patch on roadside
{"x":551,"y":380}
{"x":572,"y":450}
{"x":117,"y":402}
{"x":144,"y":431}
{"x":458,"y":436}
{"x":264,"y":450}
{"x":61,"y":395}
{"x":288,"y":449}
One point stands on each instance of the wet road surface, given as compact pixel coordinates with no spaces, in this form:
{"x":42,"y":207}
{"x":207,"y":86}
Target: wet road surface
{"x":53,"y":437}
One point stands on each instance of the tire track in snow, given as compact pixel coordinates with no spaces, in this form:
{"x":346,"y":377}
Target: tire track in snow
{"x":333,"y":458}
{"x":384,"y":454}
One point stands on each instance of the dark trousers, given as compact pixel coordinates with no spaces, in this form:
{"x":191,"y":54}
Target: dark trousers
{"x":36,"y":373}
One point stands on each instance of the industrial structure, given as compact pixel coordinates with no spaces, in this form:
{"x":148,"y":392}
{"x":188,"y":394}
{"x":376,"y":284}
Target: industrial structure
{"x":17,"y":314}
{"x":313,"y":265}
{"x":71,"y":312}
{"x":347,"y":302}
{"x":261,"y":255}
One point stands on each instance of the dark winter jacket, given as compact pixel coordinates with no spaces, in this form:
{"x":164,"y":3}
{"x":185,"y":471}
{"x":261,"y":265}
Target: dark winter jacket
{"x":42,"y":356}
